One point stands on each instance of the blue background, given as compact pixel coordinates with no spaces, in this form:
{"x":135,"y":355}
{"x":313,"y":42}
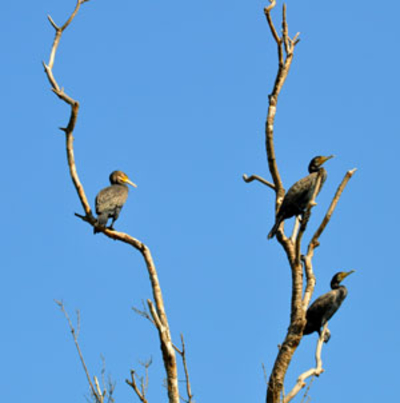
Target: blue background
{"x":175,"y":94}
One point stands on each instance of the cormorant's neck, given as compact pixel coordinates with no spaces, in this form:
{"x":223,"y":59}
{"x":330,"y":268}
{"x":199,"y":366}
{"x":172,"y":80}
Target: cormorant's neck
{"x":120,"y":184}
{"x":336,"y":286}
{"x":313,"y":168}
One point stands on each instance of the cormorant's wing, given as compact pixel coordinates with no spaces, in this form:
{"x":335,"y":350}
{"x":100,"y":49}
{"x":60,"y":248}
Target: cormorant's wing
{"x":325,"y":306}
{"x":111,"y":197}
{"x":298,"y":196}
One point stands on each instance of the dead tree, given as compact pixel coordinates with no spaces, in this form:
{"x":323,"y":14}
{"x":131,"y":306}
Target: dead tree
{"x":157,"y":315}
{"x":301,"y":291}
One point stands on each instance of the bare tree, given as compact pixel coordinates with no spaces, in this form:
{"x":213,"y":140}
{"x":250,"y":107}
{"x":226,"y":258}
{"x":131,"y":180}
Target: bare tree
{"x":157,"y":315}
{"x":301,"y":291}
{"x":300,"y":263}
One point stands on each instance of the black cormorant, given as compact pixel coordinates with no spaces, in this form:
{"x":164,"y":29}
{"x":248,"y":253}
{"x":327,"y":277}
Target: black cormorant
{"x":109,"y":201}
{"x":325,"y":306}
{"x":300,"y":194}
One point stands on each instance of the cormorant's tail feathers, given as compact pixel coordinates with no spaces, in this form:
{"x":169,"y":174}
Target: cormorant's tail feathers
{"x":272,"y":233}
{"x":101,"y":222}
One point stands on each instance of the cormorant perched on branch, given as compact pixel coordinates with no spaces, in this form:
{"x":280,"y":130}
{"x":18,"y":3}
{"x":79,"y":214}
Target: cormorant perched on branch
{"x":300,"y":194}
{"x":325,"y":306}
{"x":109,"y":201}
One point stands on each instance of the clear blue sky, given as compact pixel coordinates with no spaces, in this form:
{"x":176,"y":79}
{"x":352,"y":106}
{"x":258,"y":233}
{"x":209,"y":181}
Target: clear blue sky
{"x":175,"y":94}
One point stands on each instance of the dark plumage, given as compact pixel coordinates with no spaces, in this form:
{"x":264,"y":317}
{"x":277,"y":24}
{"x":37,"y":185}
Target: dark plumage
{"x":300,"y":194}
{"x":109,"y":201}
{"x":325,"y":306}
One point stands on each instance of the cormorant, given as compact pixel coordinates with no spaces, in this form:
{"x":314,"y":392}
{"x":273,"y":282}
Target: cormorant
{"x":300,"y":194}
{"x":109,"y":201}
{"x":325,"y":306}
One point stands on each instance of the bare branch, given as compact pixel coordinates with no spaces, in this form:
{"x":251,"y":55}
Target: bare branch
{"x":267,"y":11}
{"x":74,"y":108}
{"x":99,"y":394}
{"x":169,"y":357}
{"x":310,"y":285}
{"x":314,"y":241}
{"x":99,"y":397}
{"x":182,"y":353}
{"x":283,"y":71}
{"x":265,"y":374}
{"x":317,"y":371}
{"x":144,"y":381}
{"x":154,"y":314}
{"x":295,"y":229}
{"x":306,"y":217}
{"x":143,"y":312}
{"x":132,"y":383}
{"x":251,"y":178}
{"x":285,"y":30}
{"x":292,"y":245}
{"x":307,"y":391}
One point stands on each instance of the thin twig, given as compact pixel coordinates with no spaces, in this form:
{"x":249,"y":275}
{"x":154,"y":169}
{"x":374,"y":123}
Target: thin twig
{"x":75,"y":337}
{"x":265,"y":374}
{"x":182,"y":353}
{"x":144,"y":381}
{"x":308,"y":390}
{"x":132,"y":383}
{"x":267,"y":11}
{"x":143,"y":312}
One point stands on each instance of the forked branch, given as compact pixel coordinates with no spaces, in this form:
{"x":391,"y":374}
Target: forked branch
{"x":141,"y":389}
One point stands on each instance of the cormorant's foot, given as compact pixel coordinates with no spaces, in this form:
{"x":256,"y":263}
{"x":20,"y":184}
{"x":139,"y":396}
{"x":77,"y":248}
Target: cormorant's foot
{"x":327,"y":336}
{"x":111,"y":228}
{"x":98,"y":228}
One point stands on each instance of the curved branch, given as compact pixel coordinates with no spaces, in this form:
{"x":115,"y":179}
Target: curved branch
{"x":169,"y":356}
{"x":72,"y":103}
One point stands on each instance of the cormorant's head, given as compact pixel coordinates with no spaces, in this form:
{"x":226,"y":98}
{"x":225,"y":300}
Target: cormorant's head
{"x":120,"y":178}
{"x":316,"y":163}
{"x":339,"y":277}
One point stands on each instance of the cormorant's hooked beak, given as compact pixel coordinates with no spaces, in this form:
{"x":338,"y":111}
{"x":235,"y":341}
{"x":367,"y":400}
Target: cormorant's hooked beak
{"x":324,"y":159}
{"x":126,"y":180}
{"x":345,"y":274}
